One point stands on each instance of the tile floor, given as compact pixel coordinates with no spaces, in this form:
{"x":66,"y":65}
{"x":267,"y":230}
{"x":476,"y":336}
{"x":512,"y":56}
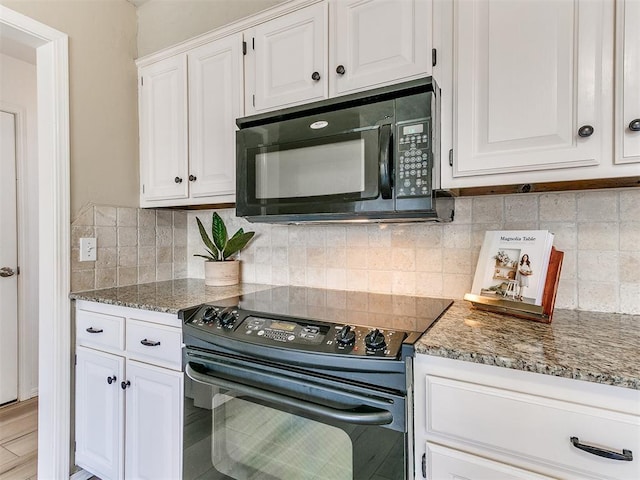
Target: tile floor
{"x":19,"y":441}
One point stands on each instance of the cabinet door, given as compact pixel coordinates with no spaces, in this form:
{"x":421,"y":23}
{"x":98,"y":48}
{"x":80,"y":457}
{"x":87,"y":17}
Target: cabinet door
{"x":163,"y":130}
{"x":528,"y":84}
{"x":377,"y":42}
{"x":215,"y":101}
{"x":445,"y":462}
{"x":99,"y":413}
{"x":154,"y":422}
{"x":627,"y":128}
{"x":284,"y":56}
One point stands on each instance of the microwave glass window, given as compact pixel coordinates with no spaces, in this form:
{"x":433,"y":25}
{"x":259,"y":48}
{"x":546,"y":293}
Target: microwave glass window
{"x":316,"y":170}
{"x":253,"y":441}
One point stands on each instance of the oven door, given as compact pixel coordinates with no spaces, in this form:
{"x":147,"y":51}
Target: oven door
{"x":253,"y":424}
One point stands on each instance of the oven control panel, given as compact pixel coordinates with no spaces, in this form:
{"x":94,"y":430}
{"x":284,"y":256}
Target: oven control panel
{"x":295,"y":333}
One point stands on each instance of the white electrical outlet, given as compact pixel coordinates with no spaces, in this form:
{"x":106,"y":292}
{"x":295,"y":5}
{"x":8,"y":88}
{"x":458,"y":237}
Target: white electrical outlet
{"x":88,"y":250}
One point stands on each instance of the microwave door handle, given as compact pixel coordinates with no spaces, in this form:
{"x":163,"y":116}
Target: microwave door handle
{"x":384,"y":138}
{"x":375,"y":417}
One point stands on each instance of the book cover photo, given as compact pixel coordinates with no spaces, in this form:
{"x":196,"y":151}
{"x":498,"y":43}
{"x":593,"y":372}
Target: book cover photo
{"x":513,"y":265}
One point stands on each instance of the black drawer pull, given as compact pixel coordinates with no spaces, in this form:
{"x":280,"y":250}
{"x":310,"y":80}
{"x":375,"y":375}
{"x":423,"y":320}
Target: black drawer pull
{"x":625,"y":456}
{"x":125,"y":385}
{"x":110,"y":380}
{"x":149,"y":343}
{"x":94,"y":330}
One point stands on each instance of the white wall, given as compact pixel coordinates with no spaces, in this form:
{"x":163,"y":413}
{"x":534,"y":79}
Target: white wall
{"x":18,"y":93}
{"x":163,"y":23}
{"x":103,"y":94}
{"x":597,"y":230}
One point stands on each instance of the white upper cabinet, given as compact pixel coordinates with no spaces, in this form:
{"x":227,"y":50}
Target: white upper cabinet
{"x":215,"y":101}
{"x":163,"y":130}
{"x":377,"y":42}
{"x":528,"y":93}
{"x":333,"y":48}
{"x":187,"y":127}
{"x":627,"y":121}
{"x":287,"y":59}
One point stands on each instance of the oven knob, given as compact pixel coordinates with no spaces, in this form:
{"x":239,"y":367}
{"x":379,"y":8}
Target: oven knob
{"x":227,"y":319}
{"x":346,"y":336}
{"x":209,"y":315}
{"x":374,"y":340}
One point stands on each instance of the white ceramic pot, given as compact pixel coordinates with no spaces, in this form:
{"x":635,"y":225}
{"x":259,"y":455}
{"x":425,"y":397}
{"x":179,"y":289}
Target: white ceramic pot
{"x":221,"y":274}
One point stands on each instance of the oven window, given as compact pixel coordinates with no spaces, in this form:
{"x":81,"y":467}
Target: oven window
{"x":230,"y":437}
{"x":254,"y":441}
{"x":330,"y":169}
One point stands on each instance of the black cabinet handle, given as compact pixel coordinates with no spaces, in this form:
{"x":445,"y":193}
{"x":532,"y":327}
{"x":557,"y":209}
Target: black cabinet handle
{"x":585,"y":131}
{"x":124,"y":385}
{"x":149,"y":343}
{"x":110,"y":380}
{"x":177,"y":180}
{"x":625,"y":456}
{"x":634,"y":125}
{"x":192,"y":178}
{"x":94,"y":330}
{"x":315,"y":76}
{"x":340,"y":70}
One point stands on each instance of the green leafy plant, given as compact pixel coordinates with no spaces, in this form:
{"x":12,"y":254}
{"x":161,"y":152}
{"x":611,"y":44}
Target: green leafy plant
{"x":219,"y":246}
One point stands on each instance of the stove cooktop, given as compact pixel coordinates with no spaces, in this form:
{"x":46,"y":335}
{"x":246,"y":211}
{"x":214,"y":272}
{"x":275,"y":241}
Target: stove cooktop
{"x":328,"y":321}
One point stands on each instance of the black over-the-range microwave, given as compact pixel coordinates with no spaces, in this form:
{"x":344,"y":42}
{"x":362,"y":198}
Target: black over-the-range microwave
{"x":362,"y":157}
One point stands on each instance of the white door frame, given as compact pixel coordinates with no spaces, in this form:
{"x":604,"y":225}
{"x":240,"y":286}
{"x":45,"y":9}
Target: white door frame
{"x":54,"y":372}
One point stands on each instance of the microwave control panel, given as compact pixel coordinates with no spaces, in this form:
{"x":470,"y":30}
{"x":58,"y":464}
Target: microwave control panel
{"x":413,"y":160}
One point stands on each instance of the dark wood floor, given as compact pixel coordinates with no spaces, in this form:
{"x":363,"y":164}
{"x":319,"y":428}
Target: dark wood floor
{"x":19,"y":441}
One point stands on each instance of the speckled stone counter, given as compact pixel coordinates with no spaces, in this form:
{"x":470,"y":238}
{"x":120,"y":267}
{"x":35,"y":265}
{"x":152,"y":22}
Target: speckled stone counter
{"x":595,"y":347}
{"x":169,"y":296}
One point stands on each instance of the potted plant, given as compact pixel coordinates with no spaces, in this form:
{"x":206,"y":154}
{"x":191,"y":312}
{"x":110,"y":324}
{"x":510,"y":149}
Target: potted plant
{"x":221,"y":269}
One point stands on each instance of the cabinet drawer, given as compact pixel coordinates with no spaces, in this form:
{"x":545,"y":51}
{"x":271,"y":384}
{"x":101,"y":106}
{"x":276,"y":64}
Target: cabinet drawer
{"x":99,"y":330}
{"x":533,"y":427}
{"x":156,"y":344}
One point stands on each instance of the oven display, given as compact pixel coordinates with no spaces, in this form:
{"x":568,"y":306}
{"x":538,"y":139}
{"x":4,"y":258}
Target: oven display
{"x":287,"y":327}
{"x":268,"y":330}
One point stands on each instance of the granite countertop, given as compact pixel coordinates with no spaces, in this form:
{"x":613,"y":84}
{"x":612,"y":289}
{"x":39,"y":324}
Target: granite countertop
{"x":595,"y":347}
{"x":168,"y":296}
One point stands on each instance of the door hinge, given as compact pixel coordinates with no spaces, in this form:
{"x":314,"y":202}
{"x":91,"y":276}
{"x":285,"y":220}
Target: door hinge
{"x":451,"y":157}
{"x":424,"y":465}
{"x":75,"y":359}
{"x":141,"y":81}
{"x":18,"y":270}
{"x":253,"y":100}
{"x":434,"y":57}
{"x":253,"y":43}
{"x":143,"y":188}
{"x":244,"y":48}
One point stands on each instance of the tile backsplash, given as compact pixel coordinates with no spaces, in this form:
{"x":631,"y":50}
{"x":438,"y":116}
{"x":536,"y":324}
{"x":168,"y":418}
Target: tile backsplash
{"x":133,"y":246}
{"x":599,"y":231}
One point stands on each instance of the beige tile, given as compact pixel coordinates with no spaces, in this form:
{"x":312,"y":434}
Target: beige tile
{"x":521,"y":208}
{"x":83,"y":280}
{"x":316,"y":236}
{"x":127,"y":256}
{"x":357,"y":279}
{"x":127,"y":236}
{"x":597,"y":266}
{"x":105,"y":216}
{"x":164,"y":271}
{"x":487,"y":209}
{"x":379,"y":236}
{"x":106,"y":237}
{"x":598,"y":296}
{"x":456,"y":236}
{"x":378,"y":258}
{"x":316,"y":277}
{"x":630,"y":298}
{"x":180,"y":270}
{"x":297,"y":236}
{"x":280,"y":236}
{"x":164,"y":218}
{"x":247,"y":272}
{"x":146,"y":218}
{"x":567,"y":296}
{"x":164,"y":236}
{"x":565,"y":234}
{"x":147,"y":236}
{"x":380,"y":281}
{"x":336,"y":257}
{"x":297,"y":275}
{"x":127,"y":217}
{"x":77,"y":265}
{"x":127,"y":275}
{"x":630,"y":235}
{"x":429,"y":284}
{"x":403,"y":283}
{"x":598,"y":236}
{"x":81,"y":232}
{"x":106,"y":257}
{"x":463,"y":208}
{"x":403,"y":259}
{"x":85,"y":216}
{"x":180,"y":219}
{"x":164,"y":255}
{"x":180,"y":237}
{"x":263,"y":273}
{"x":180,"y":254}
{"x":630,"y":204}
{"x":456,"y":285}
{"x":315,"y":257}
{"x":597,"y":206}
{"x":356,"y":258}
{"x":429,"y":259}
{"x":629,"y":267}
{"x":147,"y":255}
{"x":106,"y":277}
{"x":262,"y":255}
{"x":146,"y":273}
{"x":280,"y":274}
{"x":336,"y":278}
{"x":558,"y":207}
{"x":357,"y":236}
{"x":279,"y":256}
{"x":457,"y":261}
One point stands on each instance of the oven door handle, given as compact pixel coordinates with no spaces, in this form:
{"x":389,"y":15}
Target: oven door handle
{"x":376,"y":417}
{"x":385,"y":161}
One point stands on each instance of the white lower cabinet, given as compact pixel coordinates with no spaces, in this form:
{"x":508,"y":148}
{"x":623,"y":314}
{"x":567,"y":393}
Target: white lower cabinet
{"x":128,"y":401}
{"x":476,"y":421}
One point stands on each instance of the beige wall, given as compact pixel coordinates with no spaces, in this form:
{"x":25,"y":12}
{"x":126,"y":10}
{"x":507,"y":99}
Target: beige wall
{"x":162,"y":23}
{"x":103,"y":95}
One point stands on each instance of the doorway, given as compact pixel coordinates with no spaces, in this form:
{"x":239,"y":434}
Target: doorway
{"x":8,"y":261}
